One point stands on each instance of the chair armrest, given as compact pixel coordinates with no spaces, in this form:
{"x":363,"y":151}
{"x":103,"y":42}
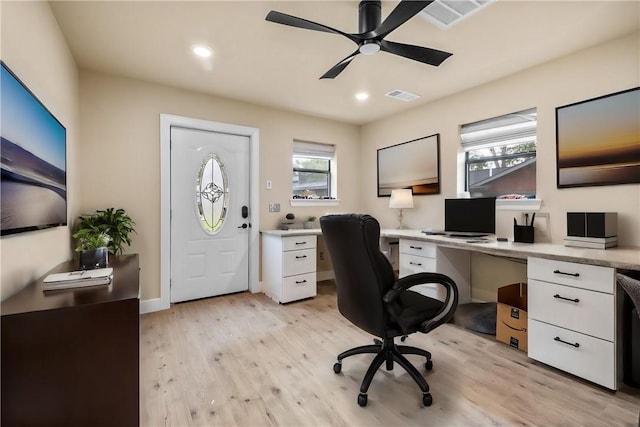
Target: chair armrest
{"x":416,"y":279}
{"x":450,"y":302}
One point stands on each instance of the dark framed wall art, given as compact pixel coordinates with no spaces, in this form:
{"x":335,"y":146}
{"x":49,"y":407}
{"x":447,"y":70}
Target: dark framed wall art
{"x":598,"y":141}
{"x":414,"y":164}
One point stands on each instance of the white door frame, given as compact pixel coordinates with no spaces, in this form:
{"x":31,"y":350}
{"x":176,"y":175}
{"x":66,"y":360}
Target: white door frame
{"x":166,"y":121}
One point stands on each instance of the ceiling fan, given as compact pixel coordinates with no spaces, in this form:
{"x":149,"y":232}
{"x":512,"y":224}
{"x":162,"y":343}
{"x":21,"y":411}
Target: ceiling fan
{"x":370,"y":39}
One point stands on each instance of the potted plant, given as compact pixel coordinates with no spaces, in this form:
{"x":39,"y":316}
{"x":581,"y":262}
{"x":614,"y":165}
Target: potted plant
{"x":105,"y":231}
{"x":92,"y":248}
{"x":310,"y":222}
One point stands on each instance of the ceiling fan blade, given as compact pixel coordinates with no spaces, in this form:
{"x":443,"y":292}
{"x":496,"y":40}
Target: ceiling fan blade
{"x":402,"y":13}
{"x":339,"y":67}
{"x":293,"y":21}
{"x":417,"y":53}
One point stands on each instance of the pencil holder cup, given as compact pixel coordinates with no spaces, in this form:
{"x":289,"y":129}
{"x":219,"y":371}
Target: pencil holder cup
{"x":523,"y":233}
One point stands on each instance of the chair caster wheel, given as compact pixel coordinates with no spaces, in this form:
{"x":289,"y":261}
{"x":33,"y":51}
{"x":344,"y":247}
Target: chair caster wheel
{"x":427,"y":400}
{"x":362,"y":399}
{"x":337,"y":367}
{"x":376,"y":341}
{"x":429,"y":365}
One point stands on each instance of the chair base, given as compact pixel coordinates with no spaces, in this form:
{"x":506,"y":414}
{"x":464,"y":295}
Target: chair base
{"x":387,"y":352}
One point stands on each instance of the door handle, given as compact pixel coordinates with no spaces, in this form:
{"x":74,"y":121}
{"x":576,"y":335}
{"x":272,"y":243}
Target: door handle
{"x":243,"y":226}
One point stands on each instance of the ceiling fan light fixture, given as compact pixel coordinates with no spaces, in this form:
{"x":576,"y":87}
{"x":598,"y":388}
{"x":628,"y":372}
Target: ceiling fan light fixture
{"x":369,"y":47}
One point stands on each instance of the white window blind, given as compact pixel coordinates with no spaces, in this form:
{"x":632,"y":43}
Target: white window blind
{"x":511,"y":128}
{"x":500,"y":155}
{"x":313,"y":150}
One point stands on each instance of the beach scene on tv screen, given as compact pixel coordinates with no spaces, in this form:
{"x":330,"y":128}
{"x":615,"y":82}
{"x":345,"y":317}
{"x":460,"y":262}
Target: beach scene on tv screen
{"x":33,"y":188}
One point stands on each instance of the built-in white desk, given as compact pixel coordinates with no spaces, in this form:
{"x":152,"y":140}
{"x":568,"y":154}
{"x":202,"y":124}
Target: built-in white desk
{"x":574,"y":302}
{"x":627,"y":258}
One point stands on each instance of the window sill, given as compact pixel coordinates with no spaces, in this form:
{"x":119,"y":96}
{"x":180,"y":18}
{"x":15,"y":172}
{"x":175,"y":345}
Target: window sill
{"x":314,"y":202}
{"x":518,"y":204}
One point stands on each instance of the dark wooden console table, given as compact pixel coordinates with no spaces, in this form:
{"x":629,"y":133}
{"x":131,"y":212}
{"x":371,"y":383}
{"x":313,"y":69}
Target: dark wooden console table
{"x":71,"y":357}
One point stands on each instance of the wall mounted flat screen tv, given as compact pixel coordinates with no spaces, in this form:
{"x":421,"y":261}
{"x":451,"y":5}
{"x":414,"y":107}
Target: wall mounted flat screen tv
{"x":470,"y":217}
{"x":33,"y":184}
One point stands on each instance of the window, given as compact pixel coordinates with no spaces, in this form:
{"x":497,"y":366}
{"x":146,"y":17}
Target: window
{"x":312,"y":164}
{"x":212,"y":192}
{"x":500,"y":155}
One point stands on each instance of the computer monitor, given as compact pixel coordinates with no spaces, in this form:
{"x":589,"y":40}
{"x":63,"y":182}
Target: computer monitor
{"x":470,"y":217}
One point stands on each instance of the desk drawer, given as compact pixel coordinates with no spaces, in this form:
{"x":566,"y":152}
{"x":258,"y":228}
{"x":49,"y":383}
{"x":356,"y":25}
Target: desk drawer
{"x":298,"y":262}
{"x":584,"y":276}
{"x":592,"y":314}
{"x":294,"y":243}
{"x":410,"y":264}
{"x":593,"y":359}
{"x":298,"y":287}
{"x":416,"y":247}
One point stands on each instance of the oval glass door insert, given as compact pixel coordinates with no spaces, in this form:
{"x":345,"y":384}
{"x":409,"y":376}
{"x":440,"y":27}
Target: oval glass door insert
{"x":212,"y":192}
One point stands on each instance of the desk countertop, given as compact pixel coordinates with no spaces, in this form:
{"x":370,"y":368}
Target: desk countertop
{"x":294,"y":232}
{"x":618,"y":257}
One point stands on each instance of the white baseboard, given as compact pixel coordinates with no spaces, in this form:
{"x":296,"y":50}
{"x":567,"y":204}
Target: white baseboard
{"x":325,"y":275}
{"x":151,"y":305}
{"x":155,"y":304}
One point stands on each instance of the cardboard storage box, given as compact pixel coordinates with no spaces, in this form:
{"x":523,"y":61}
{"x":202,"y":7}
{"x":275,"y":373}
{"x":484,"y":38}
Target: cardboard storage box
{"x":511,"y":320}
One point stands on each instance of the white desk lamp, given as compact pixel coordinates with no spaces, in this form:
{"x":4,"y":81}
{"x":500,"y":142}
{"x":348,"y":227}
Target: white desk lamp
{"x":401,"y":199}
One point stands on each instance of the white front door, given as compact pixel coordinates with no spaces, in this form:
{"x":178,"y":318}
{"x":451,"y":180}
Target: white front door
{"x":209,"y":213}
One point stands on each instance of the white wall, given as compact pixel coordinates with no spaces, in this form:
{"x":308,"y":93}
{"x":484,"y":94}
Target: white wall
{"x":34,"y":49}
{"x":597,"y":71}
{"x":120,"y":133}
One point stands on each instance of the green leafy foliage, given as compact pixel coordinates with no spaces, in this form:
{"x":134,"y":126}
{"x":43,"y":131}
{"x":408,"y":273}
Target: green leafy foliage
{"x":91,"y":238}
{"x":114,"y":223}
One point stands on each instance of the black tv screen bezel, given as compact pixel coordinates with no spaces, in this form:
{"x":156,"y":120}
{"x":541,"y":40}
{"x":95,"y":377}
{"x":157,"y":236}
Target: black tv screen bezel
{"x":43,"y":226}
{"x":469,"y":208}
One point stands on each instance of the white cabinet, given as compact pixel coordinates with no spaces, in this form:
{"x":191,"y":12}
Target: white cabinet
{"x":422,"y":257}
{"x":572,"y":318}
{"x":289,"y":267}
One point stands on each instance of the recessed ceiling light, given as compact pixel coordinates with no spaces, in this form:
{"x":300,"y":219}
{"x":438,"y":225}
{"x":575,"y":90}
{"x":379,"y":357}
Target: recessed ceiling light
{"x":361,"y":96}
{"x":202,"y":51}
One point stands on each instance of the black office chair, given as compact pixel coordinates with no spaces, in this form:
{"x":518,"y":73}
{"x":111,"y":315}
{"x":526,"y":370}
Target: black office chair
{"x":372,"y":299}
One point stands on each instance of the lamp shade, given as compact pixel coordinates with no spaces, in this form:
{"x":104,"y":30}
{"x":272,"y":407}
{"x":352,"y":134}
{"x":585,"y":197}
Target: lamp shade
{"x":401,"y":199}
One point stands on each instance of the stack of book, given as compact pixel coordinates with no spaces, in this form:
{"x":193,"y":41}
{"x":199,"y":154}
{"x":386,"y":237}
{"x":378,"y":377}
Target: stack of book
{"x":77,"y":279}
{"x":591,"y":242}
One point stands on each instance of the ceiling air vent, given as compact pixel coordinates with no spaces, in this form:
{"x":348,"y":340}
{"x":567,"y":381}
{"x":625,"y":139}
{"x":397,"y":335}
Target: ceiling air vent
{"x":446,"y":13}
{"x":401,"y":95}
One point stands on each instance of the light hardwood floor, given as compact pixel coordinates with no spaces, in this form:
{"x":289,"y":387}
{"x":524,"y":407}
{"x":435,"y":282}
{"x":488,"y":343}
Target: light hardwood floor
{"x":244,"y":360}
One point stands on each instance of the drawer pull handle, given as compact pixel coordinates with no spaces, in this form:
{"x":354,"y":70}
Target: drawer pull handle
{"x":576,"y":345}
{"x":415,"y":263}
{"x":566,"y":274}
{"x":300,"y":256}
{"x":566,"y":299}
{"x":415,"y":247}
{"x":301,"y":243}
{"x":301,"y":281}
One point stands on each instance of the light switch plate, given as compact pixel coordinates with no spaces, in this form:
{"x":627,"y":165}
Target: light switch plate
{"x":274,"y":207}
